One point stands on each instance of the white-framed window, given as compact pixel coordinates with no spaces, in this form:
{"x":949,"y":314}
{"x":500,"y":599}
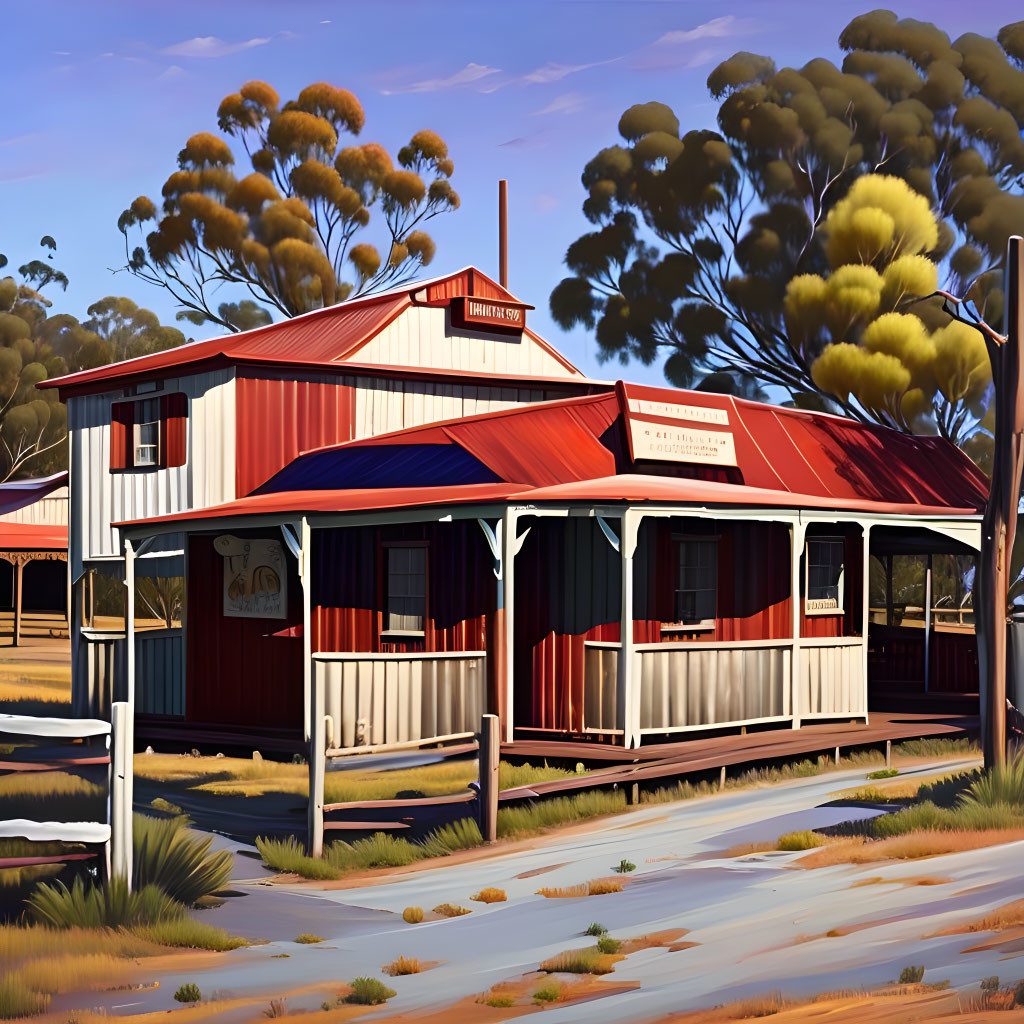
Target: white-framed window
{"x":825,"y":570}
{"x":146,"y":440}
{"x":406,"y":594}
{"x":696,"y":583}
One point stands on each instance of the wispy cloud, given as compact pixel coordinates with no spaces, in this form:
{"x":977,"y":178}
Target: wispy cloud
{"x":567,"y":103}
{"x":169,"y":74}
{"x":211,"y":46}
{"x":676,"y":49}
{"x":716,"y":28}
{"x":552,"y":72}
{"x":471,"y":73}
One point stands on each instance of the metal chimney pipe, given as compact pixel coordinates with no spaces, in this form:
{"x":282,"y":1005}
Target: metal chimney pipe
{"x":503,"y":233}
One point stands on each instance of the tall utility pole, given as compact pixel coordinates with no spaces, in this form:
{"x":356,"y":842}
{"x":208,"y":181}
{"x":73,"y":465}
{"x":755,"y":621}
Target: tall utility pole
{"x":999,"y":525}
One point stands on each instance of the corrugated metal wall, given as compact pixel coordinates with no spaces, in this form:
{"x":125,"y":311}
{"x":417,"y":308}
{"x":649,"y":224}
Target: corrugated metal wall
{"x":100,"y":497}
{"x":348,"y":592}
{"x":51,"y":510}
{"x":424,"y":336}
{"x":831,"y":680}
{"x":401,"y":699}
{"x":700,"y":685}
{"x":238,"y":672}
{"x":160,"y":672}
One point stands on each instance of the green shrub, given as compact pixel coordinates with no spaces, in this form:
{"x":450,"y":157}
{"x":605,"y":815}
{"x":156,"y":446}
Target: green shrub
{"x":540,"y":814}
{"x":308,"y":939}
{"x":576,"y":961}
{"x":158,"y":803}
{"x":548,"y":992}
{"x":883,"y":773}
{"x":378,"y":851}
{"x":18,"y":1000}
{"x":500,"y":1001}
{"x":369,"y":992}
{"x":189,"y":933}
{"x":606,"y":944}
{"x":624,"y":867}
{"x":917,"y":816}
{"x":937,"y":746}
{"x":93,"y":906}
{"x":1018,"y":994}
{"x":459,"y":835}
{"x":911,"y":975}
{"x":288,"y":855}
{"x":806,"y":840}
{"x":596,"y":929}
{"x":990,"y":984}
{"x":179,"y":862}
{"x":948,"y":791}
{"x":969,"y":815}
{"x":188,"y":993}
{"x":1003,"y":784}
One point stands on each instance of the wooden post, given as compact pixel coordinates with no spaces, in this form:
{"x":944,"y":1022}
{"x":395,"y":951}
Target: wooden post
{"x":721,"y":779}
{"x":999,"y":524}
{"x":19,"y":569}
{"x":503,"y":233}
{"x":317,"y":768}
{"x":888,"y":754}
{"x":865,"y":612}
{"x":627,"y":686}
{"x":510,"y":544}
{"x":119,"y":813}
{"x":797,"y":533}
{"x":490,"y":747}
{"x":128,"y":729}
{"x":927,"y":620}
{"x":837,"y":757}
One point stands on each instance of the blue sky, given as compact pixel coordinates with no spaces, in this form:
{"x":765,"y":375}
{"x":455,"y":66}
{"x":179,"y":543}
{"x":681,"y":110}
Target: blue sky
{"x":101,"y":96}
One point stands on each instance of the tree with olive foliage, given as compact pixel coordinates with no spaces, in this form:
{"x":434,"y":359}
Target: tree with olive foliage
{"x":699,"y":234}
{"x":289,"y":233}
{"x":36,"y":344}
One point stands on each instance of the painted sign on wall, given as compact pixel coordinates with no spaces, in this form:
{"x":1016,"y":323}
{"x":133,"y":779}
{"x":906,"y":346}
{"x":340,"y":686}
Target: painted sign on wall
{"x":671,"y":442}
{"x":255,"y":582}
{"x":489,"y":314}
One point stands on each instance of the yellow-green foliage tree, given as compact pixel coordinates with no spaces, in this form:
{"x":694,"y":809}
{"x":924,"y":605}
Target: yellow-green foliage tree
{"x":36,"y":344}
{"x":883,"y":343}
{"x":697,"y":234}
{"x":289,"y":232}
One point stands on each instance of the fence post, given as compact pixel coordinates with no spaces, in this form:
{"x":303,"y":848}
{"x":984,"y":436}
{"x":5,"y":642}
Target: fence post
{"x":317,"y":767}
{"x":490,"y":748}
{"x":120,"y":792}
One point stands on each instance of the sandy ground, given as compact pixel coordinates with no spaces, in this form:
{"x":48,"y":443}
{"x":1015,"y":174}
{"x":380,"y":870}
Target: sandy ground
{"x":755,"y":923}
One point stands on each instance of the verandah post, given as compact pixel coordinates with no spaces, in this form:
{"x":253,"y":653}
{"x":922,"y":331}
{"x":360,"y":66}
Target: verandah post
{"x":628,"y":687}
{"x":490,"y":748}
{"x":798,"y":532}
{"x":865,"y":613}
{"x":119,"y":808}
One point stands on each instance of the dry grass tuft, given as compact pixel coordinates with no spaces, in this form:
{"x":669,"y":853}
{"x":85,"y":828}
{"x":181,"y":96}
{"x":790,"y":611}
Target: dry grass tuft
{"x":1010,"y":916}
{"x":604,"y":886}
{"x":595,"y":887}
{"x":912,"y":846}
{"x":451,"y":910}
{"x":402,"y":965}
{"x":759,"y":1006}
{"x":412,"y":915}
{"x":579,"y":961}
{"x":490,"y":895}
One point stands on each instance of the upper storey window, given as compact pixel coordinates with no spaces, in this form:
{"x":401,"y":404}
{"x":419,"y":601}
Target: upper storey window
{"x":149,"y":433}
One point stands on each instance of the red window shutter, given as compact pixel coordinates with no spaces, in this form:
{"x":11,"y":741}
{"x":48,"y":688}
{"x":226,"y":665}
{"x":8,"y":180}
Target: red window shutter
{"x":122,"y":421}
{"x":174,"y":420}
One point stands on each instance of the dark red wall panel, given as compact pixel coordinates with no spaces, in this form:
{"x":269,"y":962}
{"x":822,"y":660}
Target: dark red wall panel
{"x":238,"y":672}
{"x":349,"y":598}
{"x":277,"y":418}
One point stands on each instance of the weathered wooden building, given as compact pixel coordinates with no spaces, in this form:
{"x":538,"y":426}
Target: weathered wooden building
{"x":630,"y":564}
{"x":211,"y":421}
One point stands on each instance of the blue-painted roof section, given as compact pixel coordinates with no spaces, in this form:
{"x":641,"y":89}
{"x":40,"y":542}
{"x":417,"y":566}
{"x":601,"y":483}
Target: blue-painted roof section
{"x":381,"y":465}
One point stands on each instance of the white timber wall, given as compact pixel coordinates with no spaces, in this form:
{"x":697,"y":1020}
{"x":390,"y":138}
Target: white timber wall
{"x":100,"y":497}
{"x":424,"y":336}
{"x":49,"y":511}
{"x":383,"y":405}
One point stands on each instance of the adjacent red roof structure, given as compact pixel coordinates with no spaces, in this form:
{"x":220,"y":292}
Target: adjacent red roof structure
{"x":322,"y":338}
{"x":636,"y":444}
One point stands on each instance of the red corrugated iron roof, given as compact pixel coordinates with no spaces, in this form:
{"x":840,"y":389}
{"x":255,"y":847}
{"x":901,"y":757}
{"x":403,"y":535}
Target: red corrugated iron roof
{"x":582,"y":449}
{"x":33,"y":537}
{"x":318,"y":339}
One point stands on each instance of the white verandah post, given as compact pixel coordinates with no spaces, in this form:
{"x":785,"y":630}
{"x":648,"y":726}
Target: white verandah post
{"x":866,"y":614}
{"x":121,"y":853}
{"x":798,"y":533}
{"x":627,"y":685}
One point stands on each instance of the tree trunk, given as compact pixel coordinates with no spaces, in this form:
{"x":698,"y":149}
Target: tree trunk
{"x":999,"y":525}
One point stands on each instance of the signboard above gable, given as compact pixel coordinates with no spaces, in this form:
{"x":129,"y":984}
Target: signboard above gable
{"x":489,"y":314}
{"x":670,"y":442}
{"x":672,"y":411}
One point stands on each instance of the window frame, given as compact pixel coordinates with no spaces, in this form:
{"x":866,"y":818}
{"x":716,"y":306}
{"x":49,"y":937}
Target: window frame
{"x":156,"y":421}
{"x":840,"y":607}
{"x":701,"y":625}
{"x":169,"y":411}
{"x":386,"y":632}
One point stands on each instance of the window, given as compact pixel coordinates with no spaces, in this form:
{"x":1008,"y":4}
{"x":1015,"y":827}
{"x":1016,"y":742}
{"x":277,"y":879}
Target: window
{"x":406,"y":604}
{"x":149,"y":434}
{"x":696,"y":589}
{"x":825,"y":575}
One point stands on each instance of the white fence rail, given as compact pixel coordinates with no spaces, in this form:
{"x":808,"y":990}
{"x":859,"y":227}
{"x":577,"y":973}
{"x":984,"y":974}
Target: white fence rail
{"x":116,"y":832}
